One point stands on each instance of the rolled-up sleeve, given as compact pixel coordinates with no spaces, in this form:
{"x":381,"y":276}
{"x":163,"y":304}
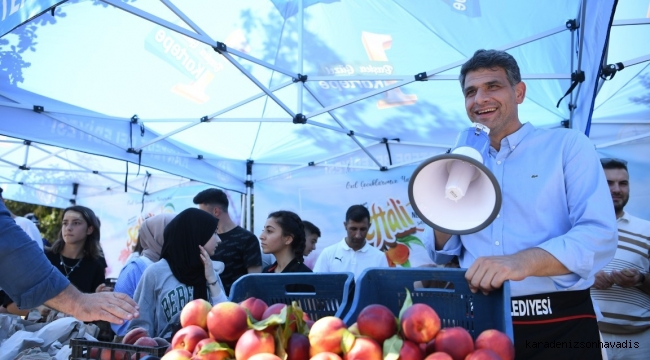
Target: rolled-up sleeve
{"x":26,"y":275}
{"x":452,"y":248}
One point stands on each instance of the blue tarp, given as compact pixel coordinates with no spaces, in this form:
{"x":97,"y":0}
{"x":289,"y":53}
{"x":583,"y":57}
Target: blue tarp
{"x":198,"y":89}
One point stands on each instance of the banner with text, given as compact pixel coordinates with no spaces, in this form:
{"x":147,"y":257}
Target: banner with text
{"x":122,"y":214}
{"x":323,"y":200}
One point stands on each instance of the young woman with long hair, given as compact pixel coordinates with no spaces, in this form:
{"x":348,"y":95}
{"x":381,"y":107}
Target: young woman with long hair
{"x":284,"y":237}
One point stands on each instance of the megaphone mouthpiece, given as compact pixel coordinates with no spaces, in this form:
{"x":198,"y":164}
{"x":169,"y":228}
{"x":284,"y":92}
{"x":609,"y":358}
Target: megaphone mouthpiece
{"x":461,"y":173}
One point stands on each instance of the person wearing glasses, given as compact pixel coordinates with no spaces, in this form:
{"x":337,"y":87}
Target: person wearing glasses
{"x":555,"y":227}
{"x":622,"y":288}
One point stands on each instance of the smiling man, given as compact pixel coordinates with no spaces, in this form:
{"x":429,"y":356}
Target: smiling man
{"x":556,"y":225}
{"x":622,"y":288}
{"x":353,"y":253}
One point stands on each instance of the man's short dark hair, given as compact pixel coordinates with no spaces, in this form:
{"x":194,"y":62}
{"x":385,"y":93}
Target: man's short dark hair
{"x":212,"y":196}
{"x":1,"y":190}
{"x":357,"y":213}
{"x":491,"y":59}
{"x":311,"y":228}
{"x":613,"y":163}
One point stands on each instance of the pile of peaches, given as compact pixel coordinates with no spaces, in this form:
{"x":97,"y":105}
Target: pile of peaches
{"x":252,"y":330}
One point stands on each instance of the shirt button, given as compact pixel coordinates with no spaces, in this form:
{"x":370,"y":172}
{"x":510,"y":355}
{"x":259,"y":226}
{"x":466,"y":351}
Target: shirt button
{"x":499,"y":162}
{"x":498,"y":215}
{"x":512,"y":148}
{"x":496,"y":243}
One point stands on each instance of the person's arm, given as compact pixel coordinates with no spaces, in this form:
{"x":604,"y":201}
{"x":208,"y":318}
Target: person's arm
{"x":145,"y":298}
{"x":107,"y":306}
{"x":440,"y":239}
{"x":217,"y":293}
{"x":583,"y":250}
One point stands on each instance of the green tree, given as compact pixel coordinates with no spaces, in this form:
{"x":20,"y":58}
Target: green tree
{"x":49,"y":217}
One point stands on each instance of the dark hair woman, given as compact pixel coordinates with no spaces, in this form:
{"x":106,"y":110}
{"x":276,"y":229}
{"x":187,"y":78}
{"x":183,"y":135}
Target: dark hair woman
{"x":284,"y":237}
{"x":77,"y":252}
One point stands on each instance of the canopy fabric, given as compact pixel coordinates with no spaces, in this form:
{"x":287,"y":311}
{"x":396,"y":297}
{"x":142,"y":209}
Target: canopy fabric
{"x":621,"y":118}
{"x":233,"y":93}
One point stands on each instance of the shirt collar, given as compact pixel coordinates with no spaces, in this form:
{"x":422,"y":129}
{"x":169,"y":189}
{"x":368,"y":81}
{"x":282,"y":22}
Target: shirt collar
{"x":625,"y":217}
{"x":511,"y":141}
{"x":363,"y":249}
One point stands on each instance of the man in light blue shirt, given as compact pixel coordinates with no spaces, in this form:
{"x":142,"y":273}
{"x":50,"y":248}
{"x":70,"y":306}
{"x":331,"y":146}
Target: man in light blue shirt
{"x":556,"y":228}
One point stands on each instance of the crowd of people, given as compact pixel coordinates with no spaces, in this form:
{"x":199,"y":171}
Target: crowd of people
{"x":557,"y":239}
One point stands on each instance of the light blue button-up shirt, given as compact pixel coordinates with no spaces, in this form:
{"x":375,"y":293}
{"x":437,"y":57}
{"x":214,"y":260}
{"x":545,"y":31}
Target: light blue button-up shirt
{"x":555,"y":197}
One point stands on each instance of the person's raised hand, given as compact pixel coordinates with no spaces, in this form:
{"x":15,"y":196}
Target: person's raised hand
{"x":210,"y":275}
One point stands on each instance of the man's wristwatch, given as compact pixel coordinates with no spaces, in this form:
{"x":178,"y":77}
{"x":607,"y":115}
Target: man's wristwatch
{"x":642,"y":281}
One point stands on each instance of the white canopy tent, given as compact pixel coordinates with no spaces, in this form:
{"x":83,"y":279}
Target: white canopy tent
{"x":233,"y":93}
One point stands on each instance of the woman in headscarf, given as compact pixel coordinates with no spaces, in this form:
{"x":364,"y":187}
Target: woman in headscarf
{"x":149,"y":246}
{"x":183,"y":273}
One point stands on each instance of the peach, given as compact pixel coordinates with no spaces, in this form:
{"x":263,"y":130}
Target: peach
{"x":420,"y":323}
{"x":255,"y":306}
{"x":429,"y":348}
{"x":134,"y":334}
{"x":298,"y":347}
{"x":410,"y":351}
{"x":227,"y":321}
{"x":377,"y":321}
{"x":276,"y":309}
{"x":177,"y":354}
{"x":325,"y":356}
{"x":496,"y":341}
{"x":186,"y":338}
{"x":209,"y":354}
{"x":438,"y":356}
{"x":455,"y":341}
{"x":254,"y":342}
{"x":364,"y":348}
{"x":483,"y":354}
{"x":196,"y":312}
{"x":398,"y":254}
{"x":326,"y":334}
{"x":146,"y":341}
{"x":116,"y":354}
{"x":264,"y":357}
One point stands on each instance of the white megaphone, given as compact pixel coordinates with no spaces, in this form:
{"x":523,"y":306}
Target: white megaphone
{"x":454,"y":192}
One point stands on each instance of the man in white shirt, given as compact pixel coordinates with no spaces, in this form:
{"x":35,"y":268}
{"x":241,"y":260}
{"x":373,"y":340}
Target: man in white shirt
{"x":353,"y":253}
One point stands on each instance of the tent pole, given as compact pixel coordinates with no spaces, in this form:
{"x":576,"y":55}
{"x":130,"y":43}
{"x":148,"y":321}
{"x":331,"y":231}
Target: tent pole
{"x":301,"y":26}
{"x":249,"y":187}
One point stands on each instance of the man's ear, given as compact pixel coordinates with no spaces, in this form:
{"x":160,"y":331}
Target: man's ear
{"x":520,"y":92}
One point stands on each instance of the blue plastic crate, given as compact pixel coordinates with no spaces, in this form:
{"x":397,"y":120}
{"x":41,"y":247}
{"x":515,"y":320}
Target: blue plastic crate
{"x":456,"y":306}
{"x":319,"y":294}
